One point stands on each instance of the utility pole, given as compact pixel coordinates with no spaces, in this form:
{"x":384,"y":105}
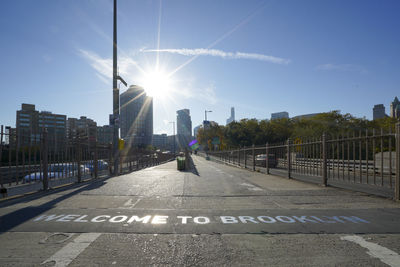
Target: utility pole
{"x":173,"y":125}
{"x":115,"y":94}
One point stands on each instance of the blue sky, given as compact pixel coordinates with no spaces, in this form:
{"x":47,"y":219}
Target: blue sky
{"x":258,"y":56}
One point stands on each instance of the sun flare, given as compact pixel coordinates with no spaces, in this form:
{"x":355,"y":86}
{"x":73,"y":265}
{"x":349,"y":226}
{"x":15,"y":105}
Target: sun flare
{"x":157,"y":83}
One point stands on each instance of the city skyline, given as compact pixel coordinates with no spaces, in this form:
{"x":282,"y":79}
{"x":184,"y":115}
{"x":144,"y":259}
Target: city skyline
{"x":242,"y":55}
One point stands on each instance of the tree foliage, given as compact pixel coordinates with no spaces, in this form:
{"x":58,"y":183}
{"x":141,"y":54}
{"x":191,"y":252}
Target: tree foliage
{"x":247,"y":132}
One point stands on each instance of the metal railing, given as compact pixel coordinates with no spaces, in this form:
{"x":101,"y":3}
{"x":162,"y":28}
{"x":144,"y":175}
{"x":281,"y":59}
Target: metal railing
{"x":366,"y":157}
{"x":49,"y":159}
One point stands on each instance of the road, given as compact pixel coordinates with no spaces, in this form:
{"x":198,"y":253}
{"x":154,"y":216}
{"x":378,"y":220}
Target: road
{"x":213,"y":215}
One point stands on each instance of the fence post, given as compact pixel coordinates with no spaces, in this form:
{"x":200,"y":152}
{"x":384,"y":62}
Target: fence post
{"x":397,"y":182}
{"x":288,"y":159}
{"x":267,"y":157}
{"x":1,"y":154}
{"x":254,"y":158}
{"x":78,"y":157}
{"x":239,"y":156}
{"x":95,"y":163}
{"x":324,"y":161}
{"x":45,"y":160}
{"x":17,"y":144}
{"x":245,"y":157}
{"x":110,"y":160}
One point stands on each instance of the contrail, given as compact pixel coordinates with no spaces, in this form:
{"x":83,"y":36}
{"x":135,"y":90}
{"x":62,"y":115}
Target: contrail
{"x":225,"y":35}
{"x":222,"y":54}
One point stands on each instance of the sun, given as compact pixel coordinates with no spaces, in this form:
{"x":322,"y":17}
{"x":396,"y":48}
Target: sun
{"x":157,"y":83}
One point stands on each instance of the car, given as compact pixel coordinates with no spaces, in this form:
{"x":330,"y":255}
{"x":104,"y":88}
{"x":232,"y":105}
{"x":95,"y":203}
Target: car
{"x":261,"y":160}
{"x":101,"y":165}
{"x":57,"y":171}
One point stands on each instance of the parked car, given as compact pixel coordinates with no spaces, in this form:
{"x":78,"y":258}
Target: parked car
{"x":261,"y":160}
{"x":101,"y":165}
{"x":57,"y":171}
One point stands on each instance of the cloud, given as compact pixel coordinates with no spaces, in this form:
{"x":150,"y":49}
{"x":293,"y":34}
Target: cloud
{"x":220,"y":53}
{"x":103,"y":66}
{"x":342,"y":67}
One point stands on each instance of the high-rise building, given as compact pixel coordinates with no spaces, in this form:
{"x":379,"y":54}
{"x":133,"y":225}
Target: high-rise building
{"x":232,"y":117}
{"x":82,"y":127}
{"x":280,"y":115}
{"x":136,"y":117}
{"x":30,"y":123}
{"x":395,"y":108}
{"x":105,"y":134}
{"x":379,"y":112}
{"x":184,"y":127}
{"x":184,"y":122}
{"x":196,"y":129}
{"x":160,"y":141}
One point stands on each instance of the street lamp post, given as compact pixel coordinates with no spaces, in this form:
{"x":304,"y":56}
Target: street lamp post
{"x":116,"y":77}
{"x":205,"y":114}
{"x":173,"y":129}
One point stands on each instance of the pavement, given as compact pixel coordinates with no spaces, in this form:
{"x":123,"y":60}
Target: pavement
{"x":213,"y":215}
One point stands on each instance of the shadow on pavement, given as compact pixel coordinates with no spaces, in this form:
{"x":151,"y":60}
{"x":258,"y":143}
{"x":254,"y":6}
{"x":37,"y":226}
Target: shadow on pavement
{"x":192,"y":167}
{"x":17,"y":217}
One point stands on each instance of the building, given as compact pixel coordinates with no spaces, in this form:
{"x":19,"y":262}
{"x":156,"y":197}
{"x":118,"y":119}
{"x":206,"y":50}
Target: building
{"x":184,"y":122}
{"x":105,"y":134}
{"x":136,"y":117}
{"x":160,"y":141}
{"x":83,"y":127}
{"x":395,"y":108}
{"x":27,"y":125}
{"x":31,"y":123}
{"x":379,"y":112}
{"x":171,"y":139}
{"x":232,"y":117}
{"x":10,"y":136}
{"x":196,"y":129}
{"x":208,"y":124}
{"x":280,"y":115}
{"x":184,"y":128}
{"x":306,"y":116}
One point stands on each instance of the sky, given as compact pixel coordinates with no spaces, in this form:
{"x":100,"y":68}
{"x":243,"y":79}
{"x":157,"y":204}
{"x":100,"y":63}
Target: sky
{"x":258,"y":56}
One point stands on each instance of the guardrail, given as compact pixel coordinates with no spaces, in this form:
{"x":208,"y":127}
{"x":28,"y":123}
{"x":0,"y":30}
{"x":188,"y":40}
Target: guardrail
{"x":42,"y":158}
{"x":369,"y":158}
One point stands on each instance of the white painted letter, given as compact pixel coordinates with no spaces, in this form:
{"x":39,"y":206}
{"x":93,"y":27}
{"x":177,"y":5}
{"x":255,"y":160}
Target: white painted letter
{"x":80,"y":219}
{"x":97,"y":218}
{"x":48,"y":217}
{"x":244,"y":219}
{"x":228,"y":219}
{"x":144,"y":219}
{"x":118,"y":219}
{"x":184,"y":218}
{"x":303,"y":219}
{"x":285,"y":219}
{"x":157,"y":219}
{"x":335,"y":218}
{"x":270,"y":219}
{"x":354,"y":219}
{"x":320,"y":220}
{"x":67,"y":218}
{"x":204,"y":220}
